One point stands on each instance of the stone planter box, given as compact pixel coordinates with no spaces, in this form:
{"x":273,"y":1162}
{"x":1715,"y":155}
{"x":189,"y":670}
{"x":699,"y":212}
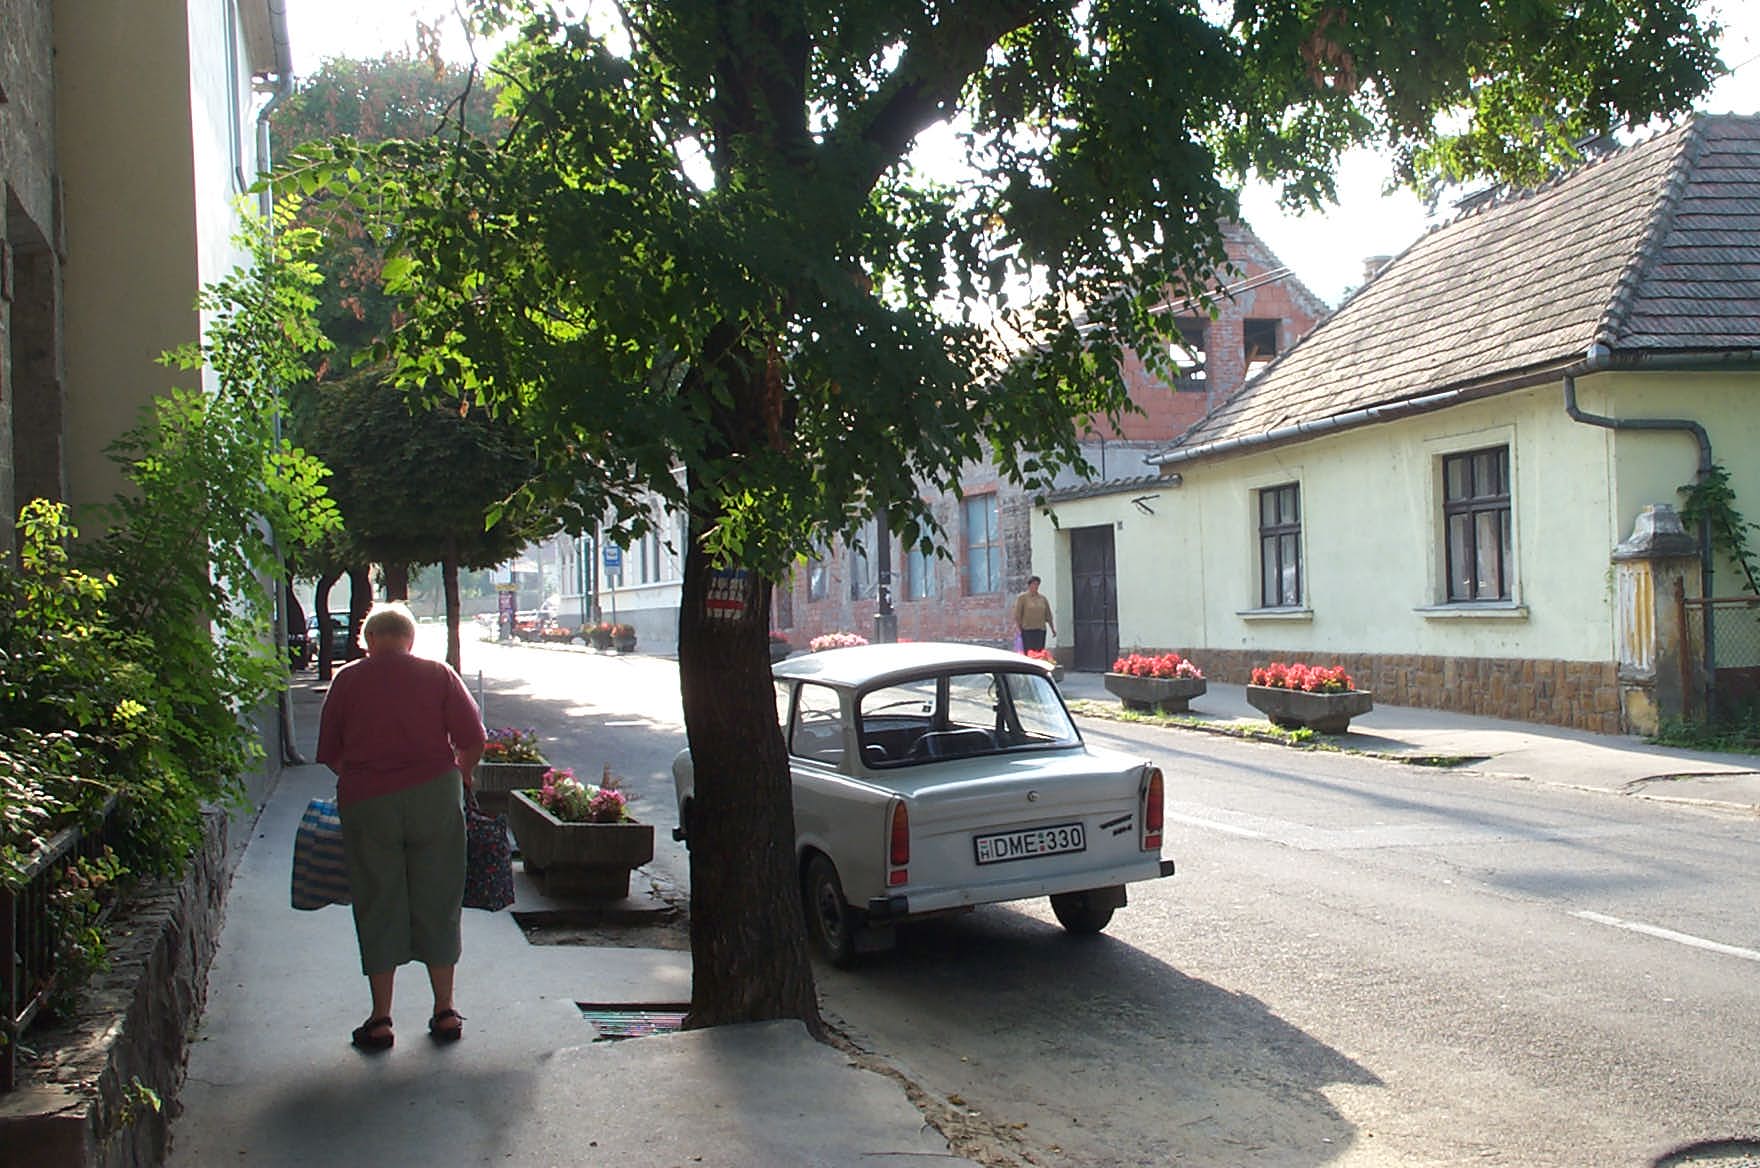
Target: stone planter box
{"x":624,"y":644}
{"x":591,"y":861}
{"x":779,"y":651}
{"x":1324,"y":713}
{"x":496,"y":780}
{"x":1167,"y":695}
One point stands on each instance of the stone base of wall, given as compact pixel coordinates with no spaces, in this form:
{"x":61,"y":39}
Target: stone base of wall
{"x":80,"y":1102}
{"x":1583,"y":695}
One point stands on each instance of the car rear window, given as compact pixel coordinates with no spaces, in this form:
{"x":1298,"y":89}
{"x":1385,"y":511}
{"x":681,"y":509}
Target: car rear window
{"x":959,"y":715}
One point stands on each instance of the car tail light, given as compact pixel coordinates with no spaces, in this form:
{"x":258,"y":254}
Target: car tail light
{"x":898,"y":854}
{"x":1153,"y":817}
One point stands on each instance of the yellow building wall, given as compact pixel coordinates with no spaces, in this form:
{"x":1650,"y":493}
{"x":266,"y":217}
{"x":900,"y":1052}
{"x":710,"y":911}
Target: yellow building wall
{"x":154,"y":119}
{"x":1652,"y":466}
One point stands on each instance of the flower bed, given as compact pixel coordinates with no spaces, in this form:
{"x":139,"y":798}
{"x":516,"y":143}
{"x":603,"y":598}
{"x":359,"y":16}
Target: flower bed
{"x":578,"y":839}
{"x":1322,"y":698}
{"x":1162,"y":683}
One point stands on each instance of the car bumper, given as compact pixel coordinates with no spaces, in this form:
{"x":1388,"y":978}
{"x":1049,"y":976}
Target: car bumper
{"x":921,"y":902}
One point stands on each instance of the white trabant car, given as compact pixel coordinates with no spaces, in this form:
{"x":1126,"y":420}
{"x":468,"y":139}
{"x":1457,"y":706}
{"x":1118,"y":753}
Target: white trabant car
{"x":931,"y":778}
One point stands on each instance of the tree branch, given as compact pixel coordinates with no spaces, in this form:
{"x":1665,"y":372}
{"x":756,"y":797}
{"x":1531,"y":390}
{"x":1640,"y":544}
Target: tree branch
{"x":926,"y":85}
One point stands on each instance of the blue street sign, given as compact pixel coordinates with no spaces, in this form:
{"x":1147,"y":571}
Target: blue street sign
{"x":613,"y":557}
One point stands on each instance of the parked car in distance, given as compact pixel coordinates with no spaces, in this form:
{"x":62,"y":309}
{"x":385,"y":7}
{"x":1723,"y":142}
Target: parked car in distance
{"x":299,"y":647}
{"x":338,"y":635}
{"x":931,"y":778}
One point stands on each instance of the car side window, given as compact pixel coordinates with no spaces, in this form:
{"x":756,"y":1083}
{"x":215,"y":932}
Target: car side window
{"x":818,"y":725}
{"x":784,"y":691}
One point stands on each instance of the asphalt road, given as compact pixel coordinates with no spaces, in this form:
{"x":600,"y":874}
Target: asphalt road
{"x":1358,"y":962}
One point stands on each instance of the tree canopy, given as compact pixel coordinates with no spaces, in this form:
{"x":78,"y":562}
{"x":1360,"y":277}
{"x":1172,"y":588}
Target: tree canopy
{"x":701,"y":243}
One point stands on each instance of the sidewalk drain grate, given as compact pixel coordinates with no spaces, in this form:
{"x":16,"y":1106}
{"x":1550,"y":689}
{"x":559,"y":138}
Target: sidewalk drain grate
{"x":1714,"y":1154}
{"x":613,"y":1022}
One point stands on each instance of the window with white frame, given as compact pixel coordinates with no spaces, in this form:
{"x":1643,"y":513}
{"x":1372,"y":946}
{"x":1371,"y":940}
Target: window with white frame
{"x":1477,"y":534}
{"x":1280,"y":546}
{"x":982,"y":534}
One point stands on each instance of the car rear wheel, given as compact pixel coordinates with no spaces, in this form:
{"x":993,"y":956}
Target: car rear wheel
{"x":1083,"y":912}
{"x":831,"y":924}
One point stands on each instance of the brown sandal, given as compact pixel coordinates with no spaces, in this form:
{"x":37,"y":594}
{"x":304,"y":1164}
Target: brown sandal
{"x":374,"y":1034}
{"x":441,"y":1033}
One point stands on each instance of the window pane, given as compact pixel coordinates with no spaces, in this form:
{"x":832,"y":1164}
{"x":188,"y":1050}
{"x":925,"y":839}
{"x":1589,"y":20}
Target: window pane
{"x":818,"y":725}
{"x":1460,"y":559}
{"x":1454,"y":473}
{"x":1040,"y":718}
{"x":971,"y":701}
{"x":1488,"y":549}
{"x":1291,"y":591}
{"x":783,"y":690}
{"x":1268,"y":572}
{"x":1509,"y":559}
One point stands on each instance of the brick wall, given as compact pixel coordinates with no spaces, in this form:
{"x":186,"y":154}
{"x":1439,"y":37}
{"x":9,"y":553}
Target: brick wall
{"x":1583,"y":695}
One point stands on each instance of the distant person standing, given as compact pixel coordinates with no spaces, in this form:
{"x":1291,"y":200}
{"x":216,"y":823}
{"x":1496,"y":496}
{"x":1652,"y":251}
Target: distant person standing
{"x":1032,"y":616}
{"x":404,"y":737}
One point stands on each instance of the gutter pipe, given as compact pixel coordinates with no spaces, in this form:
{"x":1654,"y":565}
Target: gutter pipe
{"x":279,"y":90}
{"x":1600,"y":358}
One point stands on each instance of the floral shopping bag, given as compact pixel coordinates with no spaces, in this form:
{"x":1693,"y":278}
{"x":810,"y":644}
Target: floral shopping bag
{"x":488,"y":859}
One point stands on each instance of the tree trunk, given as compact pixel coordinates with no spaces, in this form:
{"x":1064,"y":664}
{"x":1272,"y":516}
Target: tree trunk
{"x":321,"y":602}
{"x":396,"y":581}
{"x":360,"y":599}
{"x":748,"y":934}
{"x":449,"y":582}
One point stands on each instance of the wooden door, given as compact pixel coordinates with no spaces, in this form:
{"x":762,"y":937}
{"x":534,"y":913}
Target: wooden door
{"x":1093,"y":565}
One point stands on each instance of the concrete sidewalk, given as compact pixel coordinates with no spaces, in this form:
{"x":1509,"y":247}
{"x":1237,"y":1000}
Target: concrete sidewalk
{"x":1620,"y":765}
{"x":273,"y":1081}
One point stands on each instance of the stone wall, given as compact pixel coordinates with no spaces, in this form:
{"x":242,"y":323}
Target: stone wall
{"x":80,"y":1102}
{"x":1583,"y":695}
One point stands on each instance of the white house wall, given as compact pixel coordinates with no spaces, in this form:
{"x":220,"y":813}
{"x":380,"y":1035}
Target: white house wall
{"x":1373,"y":588}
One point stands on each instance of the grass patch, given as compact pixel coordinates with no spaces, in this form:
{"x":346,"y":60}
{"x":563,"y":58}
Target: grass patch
{"x":1302,"y":738}
{"x":1742,"y":737}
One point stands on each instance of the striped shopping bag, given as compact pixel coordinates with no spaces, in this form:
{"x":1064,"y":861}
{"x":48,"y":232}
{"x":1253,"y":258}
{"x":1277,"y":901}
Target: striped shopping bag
{"x":320,"y":876}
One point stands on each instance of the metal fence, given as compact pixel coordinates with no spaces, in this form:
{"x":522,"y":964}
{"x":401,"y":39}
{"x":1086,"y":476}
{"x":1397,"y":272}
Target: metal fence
{"x":1731,"y":678}
{"x":29,"y":938}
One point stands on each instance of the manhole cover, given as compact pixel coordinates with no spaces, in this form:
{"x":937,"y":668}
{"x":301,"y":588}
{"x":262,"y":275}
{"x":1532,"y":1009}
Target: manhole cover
{"x":612,"y":1022}
{"x":1714,"y":1154}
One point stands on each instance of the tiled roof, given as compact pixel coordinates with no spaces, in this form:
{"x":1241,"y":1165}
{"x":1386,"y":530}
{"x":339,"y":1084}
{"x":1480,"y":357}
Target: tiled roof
{"x":1653,"y":249}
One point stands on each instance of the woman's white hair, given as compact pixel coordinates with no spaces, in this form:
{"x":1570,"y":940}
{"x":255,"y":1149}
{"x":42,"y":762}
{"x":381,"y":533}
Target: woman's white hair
{"x":389,"y":618}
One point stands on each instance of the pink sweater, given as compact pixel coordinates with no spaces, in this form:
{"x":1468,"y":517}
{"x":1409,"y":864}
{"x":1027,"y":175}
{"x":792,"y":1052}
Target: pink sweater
{"x":393,"y":721}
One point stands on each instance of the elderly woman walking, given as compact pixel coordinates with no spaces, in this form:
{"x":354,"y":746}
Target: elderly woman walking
{"x":404,"y":737}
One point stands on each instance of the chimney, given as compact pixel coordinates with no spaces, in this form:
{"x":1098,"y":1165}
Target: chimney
{"x":1373,"y":264}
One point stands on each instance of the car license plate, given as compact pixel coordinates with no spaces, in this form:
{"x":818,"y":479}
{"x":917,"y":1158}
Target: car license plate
{"x":999,"y":847}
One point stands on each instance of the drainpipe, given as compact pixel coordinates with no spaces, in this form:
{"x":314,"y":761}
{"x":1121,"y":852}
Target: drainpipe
{"x":1600,"y":358}
{"x":279,"y":91}
{"x":280,"y":88}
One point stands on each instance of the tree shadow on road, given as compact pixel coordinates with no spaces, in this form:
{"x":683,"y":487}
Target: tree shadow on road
{"x":1109,"y":1055}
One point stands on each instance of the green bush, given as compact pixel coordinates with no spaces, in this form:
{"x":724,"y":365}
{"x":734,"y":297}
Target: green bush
{"x":131,"y":667}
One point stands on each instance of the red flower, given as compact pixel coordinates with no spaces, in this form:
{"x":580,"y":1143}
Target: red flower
{"x":1161,"y":665}
{"x":1311,"y":678}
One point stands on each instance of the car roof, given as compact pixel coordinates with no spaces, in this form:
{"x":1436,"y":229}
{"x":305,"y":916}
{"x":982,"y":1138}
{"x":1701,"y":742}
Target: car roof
{"x":868,"y":664}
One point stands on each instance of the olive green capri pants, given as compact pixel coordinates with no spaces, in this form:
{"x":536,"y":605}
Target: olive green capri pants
{"x":405,"y":856}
